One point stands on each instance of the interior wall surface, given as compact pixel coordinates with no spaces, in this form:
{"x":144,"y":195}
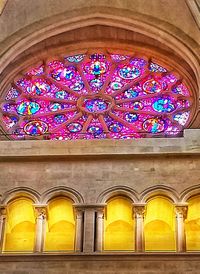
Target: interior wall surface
{"x":21,"y":13}
{"x":92,"y":176}
{"x":111,"y":264}
{"x":98,"y":169}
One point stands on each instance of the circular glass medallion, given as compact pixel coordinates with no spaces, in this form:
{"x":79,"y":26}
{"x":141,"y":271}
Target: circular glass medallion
{"x":129,"y":73}
{"x":61,"y":94}
{"x":59,"y":118}
{"x":39,"y":88}
{"x":67,"y":73}
{"x":131,"y":117}
{"x":74,"y":127}
{"x":97,"y":68}
{"x":130,"y":93}
{"x":9,"y":107}
{"x":163,"y":105}
{"x":12,"y":94}
{"x":28,"y":108}
{"x":96,"y":83}
{"x":154,"y":125}
{"x":95,"y":130}
{"x":115,"y":127}
{"x":55,"y":107}
{"x":116,"y":85}
{"x":152,"y":86}
{"x":96,"y":105}
{"x":77,"y":86}
{"x":10,"y":121}
{"x":35,"y":128}
{"x":137,"y":105}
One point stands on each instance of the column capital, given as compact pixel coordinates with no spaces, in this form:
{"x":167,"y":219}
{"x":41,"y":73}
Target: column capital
{"x":78,"y":213}
{"x":181,"y":210}
{"x":100,"y":214}
{"x":139,"y":210}
{"x":40,"y":210}
{"x":3,"y":211}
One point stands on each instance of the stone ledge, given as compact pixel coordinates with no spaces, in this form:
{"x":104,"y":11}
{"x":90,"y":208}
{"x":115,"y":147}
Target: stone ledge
{"x":153,"y":256}
{"x":187,"y":145}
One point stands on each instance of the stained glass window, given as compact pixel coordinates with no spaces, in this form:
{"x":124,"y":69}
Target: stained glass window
{"x":96,"y":96}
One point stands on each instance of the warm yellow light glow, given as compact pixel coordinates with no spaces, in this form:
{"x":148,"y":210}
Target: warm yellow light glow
{"x":119,"y":225}
{"x":60,"y":231}
{"x":20,"y":226}
{"x":192,"y":224}
{"x":159,"y":226}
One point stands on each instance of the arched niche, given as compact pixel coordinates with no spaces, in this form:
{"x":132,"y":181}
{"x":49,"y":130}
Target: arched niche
{"x":119,"y":229}
{"x":159,"y":225}
{"x":20,"y":226}
{"x":192,"y":224}
{"x":60,"y":225}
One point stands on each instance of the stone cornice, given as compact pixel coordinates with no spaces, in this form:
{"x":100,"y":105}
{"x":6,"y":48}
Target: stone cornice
{"x":128,"y":256}
{"x":80,"y":149}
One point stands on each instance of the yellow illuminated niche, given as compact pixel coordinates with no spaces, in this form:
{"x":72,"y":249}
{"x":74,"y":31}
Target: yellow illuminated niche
{"x":60,"y":230}
{"x":192,"y":224}
{"x":20,"y":226}
{"x":119,"y":225}
{"x":159,"y":225}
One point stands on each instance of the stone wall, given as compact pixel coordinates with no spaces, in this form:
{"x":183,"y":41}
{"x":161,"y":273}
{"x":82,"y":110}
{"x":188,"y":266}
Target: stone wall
{"x":101,"y":264}
{"x":91,"y":167}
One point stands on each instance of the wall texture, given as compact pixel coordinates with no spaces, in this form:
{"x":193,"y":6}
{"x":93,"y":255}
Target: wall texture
{"x":31,"y":29}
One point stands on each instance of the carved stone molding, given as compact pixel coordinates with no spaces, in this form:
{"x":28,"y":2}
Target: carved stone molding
{"x":181,"y":210}
{"x":139,"y":210}
{"x":41,"y":211}
{"x":2,"y":211}
{"x":2,"y":5}
{"x":194,"y":6}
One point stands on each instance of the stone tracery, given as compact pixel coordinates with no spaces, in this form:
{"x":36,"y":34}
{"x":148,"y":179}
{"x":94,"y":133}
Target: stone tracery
{"x":96,"y":96}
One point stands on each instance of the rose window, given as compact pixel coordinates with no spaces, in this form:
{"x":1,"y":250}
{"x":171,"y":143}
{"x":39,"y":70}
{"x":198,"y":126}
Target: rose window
{"x":101,"y":95}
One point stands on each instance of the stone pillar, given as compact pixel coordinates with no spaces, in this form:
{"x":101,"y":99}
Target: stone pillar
{"x":87,"y":242}
{"x":139,"y":210}
{"x":79,"y":230}
{"x":99,"y":230}
{"x":88,"y":238}
{"x":2,"y":225}
{"x":181,"y":213}
{"x":40,"y":211}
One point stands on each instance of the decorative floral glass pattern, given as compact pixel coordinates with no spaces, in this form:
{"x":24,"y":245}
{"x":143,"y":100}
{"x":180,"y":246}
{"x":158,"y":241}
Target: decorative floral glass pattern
{"x":96,"y":96}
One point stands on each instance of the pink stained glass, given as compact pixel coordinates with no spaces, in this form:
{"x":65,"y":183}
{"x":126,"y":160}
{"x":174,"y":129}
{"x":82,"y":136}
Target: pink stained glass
{"x":96,"y":96}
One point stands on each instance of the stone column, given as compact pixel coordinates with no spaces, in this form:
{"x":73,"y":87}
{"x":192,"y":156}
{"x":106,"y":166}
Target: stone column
{"x":139,"y":210}
{"x":89,"y":224}
{"x":99,"y":230}
{"x":2,"y":225}
{"x":181,"y":213}
{"x":87,"y":240}
{"x":40,"y":211}
{"x":79,"y":230}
